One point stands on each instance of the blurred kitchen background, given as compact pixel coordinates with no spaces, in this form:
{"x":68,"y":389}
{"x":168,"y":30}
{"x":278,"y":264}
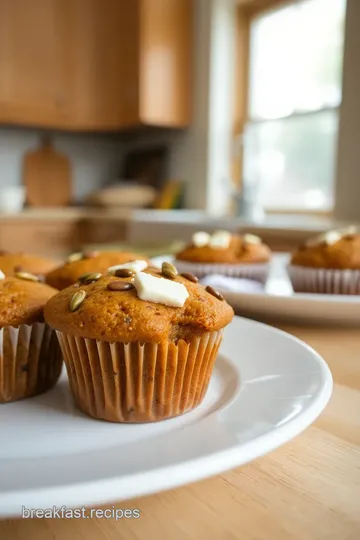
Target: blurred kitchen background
{"x":141,"y":121}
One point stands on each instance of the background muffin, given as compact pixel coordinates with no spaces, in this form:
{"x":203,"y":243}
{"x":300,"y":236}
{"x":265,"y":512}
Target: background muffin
{"x":10,"y":263}
{"x":141,"y":359}
{"x":227,"y":254}
{"x":82,"y":263}
{"x":328,"y":263}
{"x":30,"y":356}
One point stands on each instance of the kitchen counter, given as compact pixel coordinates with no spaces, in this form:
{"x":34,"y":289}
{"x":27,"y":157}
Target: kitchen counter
{"x":283,"y":232}
{"x":192,"y":218}
{"x":42,"y":230}
{"x":179,"y":217}
{"x":67,"y":214}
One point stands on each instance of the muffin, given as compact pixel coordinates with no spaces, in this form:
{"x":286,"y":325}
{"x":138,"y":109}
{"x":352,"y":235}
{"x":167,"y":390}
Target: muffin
{"x":79,"y":264}
{"x":30,"y":356}
{"x":234,"y":255}
{"x":10,"y":263}
{"x":139,"y":346}
{"x":328,"y":264}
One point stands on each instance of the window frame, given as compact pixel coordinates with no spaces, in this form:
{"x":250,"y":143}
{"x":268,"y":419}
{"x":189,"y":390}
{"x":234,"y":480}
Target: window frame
{"x":246,"y":11}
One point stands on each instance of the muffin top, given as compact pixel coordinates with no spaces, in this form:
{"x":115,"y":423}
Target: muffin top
{"x":338,"y":249}
{"x":10,"y":263}
{"x":22,"y":301}
{"x":224,"y":247}
{"x":151,"y":305}
{"x":78,"y":264}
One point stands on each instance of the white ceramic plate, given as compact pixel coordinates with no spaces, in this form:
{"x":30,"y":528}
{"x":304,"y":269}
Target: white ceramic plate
{"x":267,"y":387}
{"x":278,"y":301}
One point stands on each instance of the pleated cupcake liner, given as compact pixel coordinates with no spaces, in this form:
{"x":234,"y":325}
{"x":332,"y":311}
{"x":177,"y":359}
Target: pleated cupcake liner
{"x":256,"y":272}
{"x":30,"y":361}
{"x":139,"y":382}
{"x":324,"y":280}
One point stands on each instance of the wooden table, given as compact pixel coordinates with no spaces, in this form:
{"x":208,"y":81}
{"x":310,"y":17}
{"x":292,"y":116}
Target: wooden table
{"x":307,"y":490}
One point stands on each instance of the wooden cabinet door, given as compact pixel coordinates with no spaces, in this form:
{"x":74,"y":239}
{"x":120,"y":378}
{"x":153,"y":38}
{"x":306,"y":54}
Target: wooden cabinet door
{"x":34,"y":86}
{"x":166,"y":53}
{"x":95,"y":65}
{"x":131,"y":62}
{"x":102,"y":41}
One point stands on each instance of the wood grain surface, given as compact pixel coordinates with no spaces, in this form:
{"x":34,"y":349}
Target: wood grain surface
{"x":307,"y":490}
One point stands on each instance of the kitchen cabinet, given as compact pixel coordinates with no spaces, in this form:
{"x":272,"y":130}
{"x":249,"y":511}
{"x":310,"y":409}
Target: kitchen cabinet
{"x":58,"y":236}
{"x":52,"y":238}
{"x":34,"y":89}
{"x":96,"y":65}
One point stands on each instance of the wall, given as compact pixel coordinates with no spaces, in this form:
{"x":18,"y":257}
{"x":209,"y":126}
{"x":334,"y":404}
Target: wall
{"x":347,"y":205}
{"x":175,"y":142}
{"x":95,"y":159}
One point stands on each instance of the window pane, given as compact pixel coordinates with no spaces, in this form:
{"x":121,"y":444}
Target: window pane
{"x":290,"y":163}
{"x":296,"y":58}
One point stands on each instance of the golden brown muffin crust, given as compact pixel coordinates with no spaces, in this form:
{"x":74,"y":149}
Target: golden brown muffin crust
{"x":25,"y":262}
{"x":343,"y":254}
{"x":69,"y":273}
{"x":122,"y":316}
{"x":22,"y":302}
{"x":238,"y":252}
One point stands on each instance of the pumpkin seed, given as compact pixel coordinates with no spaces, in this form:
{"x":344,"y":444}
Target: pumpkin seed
{"x":77,"y":300}
{"x":75,"y":257}
{"x":169,"y":270}
{"x":83,"y":277}
{"x":90,"y":277}
{"x":27,"y":276}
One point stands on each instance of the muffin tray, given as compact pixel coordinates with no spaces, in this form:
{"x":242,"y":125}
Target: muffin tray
{"x":259,"y":398}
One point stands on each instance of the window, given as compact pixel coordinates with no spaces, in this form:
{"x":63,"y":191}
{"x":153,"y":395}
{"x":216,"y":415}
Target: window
{"x":295,"y":72}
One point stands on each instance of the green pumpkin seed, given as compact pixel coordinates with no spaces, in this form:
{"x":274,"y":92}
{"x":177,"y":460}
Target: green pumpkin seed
{"x":90,"y":277}
{"x":83,"y":277}
{"x":77,"y":300}
{"x":169,"y":270}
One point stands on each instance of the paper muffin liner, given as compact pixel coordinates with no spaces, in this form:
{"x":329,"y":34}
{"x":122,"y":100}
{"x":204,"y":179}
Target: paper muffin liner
{"x":324,"y":280}
{"x":257,"y":272}
{"x":30,"y":361}
{"x":139,"y":382}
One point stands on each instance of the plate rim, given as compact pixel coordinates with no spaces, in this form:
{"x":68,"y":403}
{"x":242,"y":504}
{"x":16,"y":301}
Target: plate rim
{"x":345,"y":299}
{"x":106,"y":490}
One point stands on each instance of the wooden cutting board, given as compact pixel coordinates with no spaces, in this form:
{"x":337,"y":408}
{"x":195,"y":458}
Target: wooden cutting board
{"x":47,"y":177}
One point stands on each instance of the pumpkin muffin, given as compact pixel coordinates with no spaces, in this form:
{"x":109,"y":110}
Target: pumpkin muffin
{"x":10,"y":263}
{"x":139,"y":346}
{"x":328,"y":263}
{"x":227,"y":254}
{"x":79,"y":264}
{"x":30,"y":356}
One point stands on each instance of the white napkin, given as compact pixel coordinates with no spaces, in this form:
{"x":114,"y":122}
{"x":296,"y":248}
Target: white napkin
{"x":230,"y":284}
